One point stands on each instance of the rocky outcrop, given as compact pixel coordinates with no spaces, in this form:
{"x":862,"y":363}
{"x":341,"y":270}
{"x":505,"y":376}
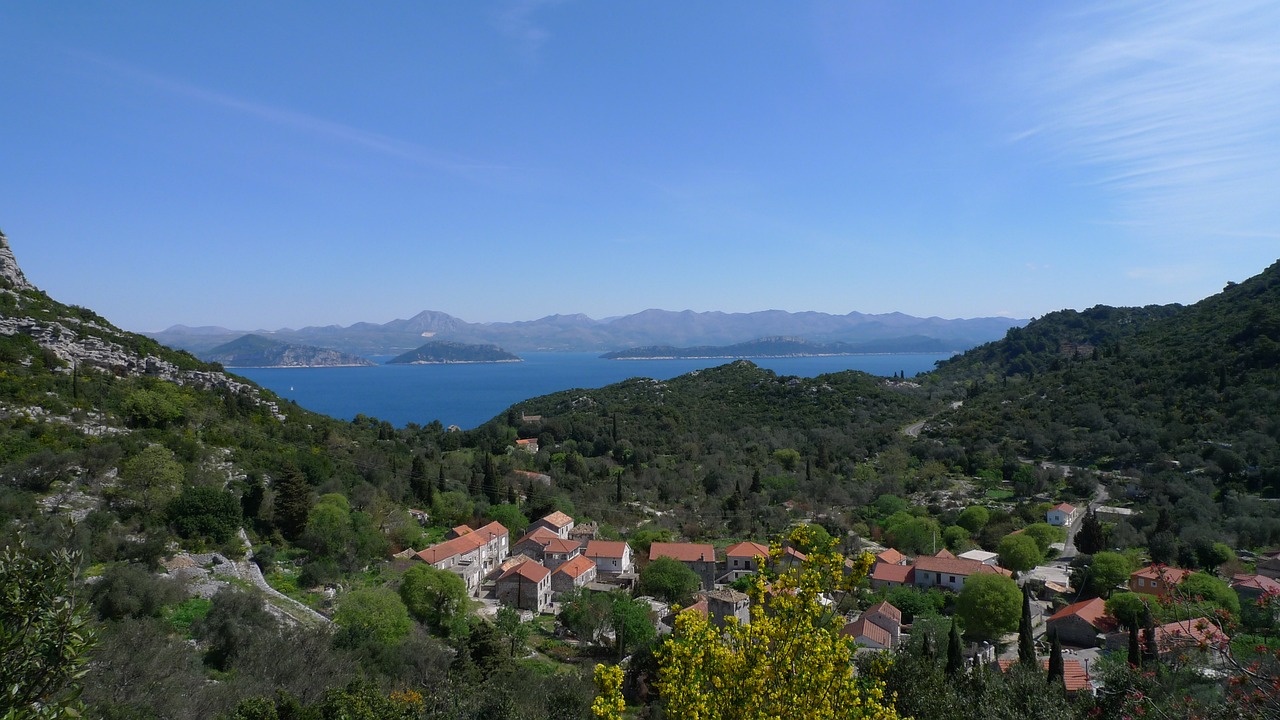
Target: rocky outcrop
{"x":10,"y":273}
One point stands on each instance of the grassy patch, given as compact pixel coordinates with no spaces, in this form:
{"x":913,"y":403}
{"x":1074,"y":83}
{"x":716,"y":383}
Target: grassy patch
{"x":184,"y":614}
{"x":999,"y":494}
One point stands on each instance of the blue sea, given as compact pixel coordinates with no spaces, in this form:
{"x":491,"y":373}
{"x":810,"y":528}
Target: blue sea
{"x":469,"y":395}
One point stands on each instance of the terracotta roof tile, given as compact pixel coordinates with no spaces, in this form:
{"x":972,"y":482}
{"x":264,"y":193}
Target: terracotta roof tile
{"x":575,"y":567}
{"x":612,"y":549}
{"x":684,"y":552}
{"x":893,"y":573}
{"x":531,"y":571}
{"x":863,"y":628}
{"x":1091,"y":611}
{"x":558,"y":519}
{"x":747,"y":549}
{"x":886,"y":609}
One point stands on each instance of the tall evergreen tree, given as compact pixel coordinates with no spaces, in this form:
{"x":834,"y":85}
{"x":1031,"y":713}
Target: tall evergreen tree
{"x":419,"y":483}
{"x":618,"y":493}
{"x":440,"y":479}
{"x":292,"y":503}
{"x":955,"y":651}
{"x":756,"y":485}
{"x":1057,"y":667}
{"x":927,"y":650}
{"x":1150,"y":653}
{"x":1092,"y":537}
{"x":1026,"y":645}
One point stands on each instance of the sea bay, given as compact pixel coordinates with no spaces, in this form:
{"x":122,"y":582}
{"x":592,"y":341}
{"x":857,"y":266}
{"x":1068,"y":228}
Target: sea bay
{"x":468,"y":395}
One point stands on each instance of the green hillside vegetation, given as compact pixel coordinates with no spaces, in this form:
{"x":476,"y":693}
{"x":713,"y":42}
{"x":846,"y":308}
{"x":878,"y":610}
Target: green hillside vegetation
{"x":120,"y":450}
{"x":438,"y":352}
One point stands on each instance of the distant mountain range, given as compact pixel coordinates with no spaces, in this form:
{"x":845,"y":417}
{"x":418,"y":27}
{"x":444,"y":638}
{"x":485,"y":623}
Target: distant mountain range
{"x":894,"y":332}
{"x":776,"y":347}
{"x":443,"y":352}
{"x":257,"y":351}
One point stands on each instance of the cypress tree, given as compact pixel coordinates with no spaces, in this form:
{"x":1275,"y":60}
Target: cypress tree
{"x":1026,"y":646}
{"x":618,"y":490}
{"x":1150,"y":653}
{"x":1135,"y":650}
{"x":292,"y":503}
{"x":1057,"y":668}
{"x":756,"y":485}
{"x":1091,"y":538}
{"x":927,"y":650}
{"x":419,"y":483}
{"x":440,"y":479}
{"x":955,"y":651}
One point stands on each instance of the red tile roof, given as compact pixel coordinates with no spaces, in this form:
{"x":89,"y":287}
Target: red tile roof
{"x":1073,"y":674}
{"x":747,"y":549}
{"x":575,"y":567}
{"x":1091,"y":611}
{"x":901,"y":574}
{"x":1199,"y":632}
{"x":1064,"y":507}
{"x":531,"y":571}
{"x":891,"y":556}
{"x":463,"y":544}
{"x":792,"y":552}
{"x":862,"y":628}
{"x":541,"y":534}
{"x":699,"y":607}
{"x":1170,"y":575}
{"x":559,"y":546}
{"x":558,"y":519}
{"x":613,"y":549}
{"x":953,"y":566}
{"x":884,"y":608}
{"x":944,"y":553}
{"x":684,"y":552}
{"x":1255,"y":582}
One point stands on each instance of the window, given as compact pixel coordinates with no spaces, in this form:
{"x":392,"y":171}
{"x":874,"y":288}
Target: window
{"x":951,"y":579}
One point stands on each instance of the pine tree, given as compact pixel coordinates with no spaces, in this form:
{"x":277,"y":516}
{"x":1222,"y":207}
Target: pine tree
{"x":1057,"y":668}
{"x":1092,"y":537}
{"x":292,"y":503}
{"x":1026,"y":646}
{"x":955,"y":651}
{"x":756,"y":485}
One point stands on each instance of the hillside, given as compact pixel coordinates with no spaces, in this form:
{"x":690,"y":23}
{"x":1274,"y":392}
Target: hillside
{"x":442,"y":352}
{"x":254,"y":351}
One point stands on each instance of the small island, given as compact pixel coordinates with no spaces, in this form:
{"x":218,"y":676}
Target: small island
{"x":255,"y":351}
{"x":780,"y":347}
{"x":444,"y":352}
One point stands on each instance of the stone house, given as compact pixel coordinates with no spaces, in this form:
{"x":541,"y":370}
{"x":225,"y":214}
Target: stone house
{"x":742,"y":559}
{"x":948,"y":571}
{"x":868,"y":635}
{"x":727,"y":603}
{"x":887,"y":617}
{"x":557,"y":522}
{"x":573,"y":574}
{"x":1081,"y":624}
{"x":472,"y":554}
{"x":526,"y":586}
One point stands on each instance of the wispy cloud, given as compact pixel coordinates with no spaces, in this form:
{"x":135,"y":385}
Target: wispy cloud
{"x":297,"y":121}
{"x":1176,"y":106}
{"x":518,"y":21}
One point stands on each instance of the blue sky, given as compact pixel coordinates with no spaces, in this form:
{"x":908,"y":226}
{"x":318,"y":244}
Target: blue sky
{"x":269,"y":164}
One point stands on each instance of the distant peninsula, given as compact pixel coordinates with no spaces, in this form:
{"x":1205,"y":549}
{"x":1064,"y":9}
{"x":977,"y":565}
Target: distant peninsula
{"x":779,"y":347}
{"x":443,"y":352}
{"x":255,"y":351}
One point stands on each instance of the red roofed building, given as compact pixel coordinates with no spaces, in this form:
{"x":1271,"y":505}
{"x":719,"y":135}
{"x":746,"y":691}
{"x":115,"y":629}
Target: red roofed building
{"x":573,"y":574}
{"x":1061,"y":515}
{"x":1252,"y":588}
{"x":950,"y":572}
{"x":1079,"y":624}
{"x":1157,"y":579}
{"x":886,"y":617}
{"x":891,"y":557}
{"x":1188,"y":637}
{"x":868,"y":634}
{"x":472,"y":554}
{"x":698,"y":557}
{"x":529,"y":445}
{"x":884,"y":575}
{"x":526,"y":586}
{"x":612,"y":557}
{"x":548,"y":548}
{"x":743,"y":556}
{"x":1073,"y":674}
{"x":557,"y":522}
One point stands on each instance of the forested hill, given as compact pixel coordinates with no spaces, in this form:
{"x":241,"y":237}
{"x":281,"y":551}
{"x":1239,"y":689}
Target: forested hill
{"x":1195,"y":387}
{"x":257,"y":351}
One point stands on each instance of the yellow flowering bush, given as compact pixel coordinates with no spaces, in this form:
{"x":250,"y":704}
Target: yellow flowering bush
{"x":790,"y":661}
{"x":609,"y":702}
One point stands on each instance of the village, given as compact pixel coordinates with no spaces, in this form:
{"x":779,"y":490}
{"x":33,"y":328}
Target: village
{"x":557,"y":555}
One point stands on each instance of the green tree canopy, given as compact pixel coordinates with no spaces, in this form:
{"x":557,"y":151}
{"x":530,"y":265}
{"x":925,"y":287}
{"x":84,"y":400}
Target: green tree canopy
{"x":204,"y":511}
{"x":973,"y":518}
{"x":668,"y":579}
{"x":510,"y":517}
{"x":1019,"y":552}
{"x":989,"y":606}
{"x":1107,"y":571}
{"x":1045,"y":535}
{"x":435,"y":597}
{"x":373,"y":615}
{"x":1131,"y":610}
{"x":149,"y":480}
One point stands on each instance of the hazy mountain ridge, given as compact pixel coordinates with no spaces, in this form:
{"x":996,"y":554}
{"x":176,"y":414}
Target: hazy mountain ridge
{"x":775,"y":347}
{"x":257,"y":351}
{"x":581,"y":333}
{"x":443,"y":352}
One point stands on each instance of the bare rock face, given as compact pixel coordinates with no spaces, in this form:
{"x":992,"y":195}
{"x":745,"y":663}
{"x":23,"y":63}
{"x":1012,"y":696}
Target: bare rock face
{"x":9,"y":271}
